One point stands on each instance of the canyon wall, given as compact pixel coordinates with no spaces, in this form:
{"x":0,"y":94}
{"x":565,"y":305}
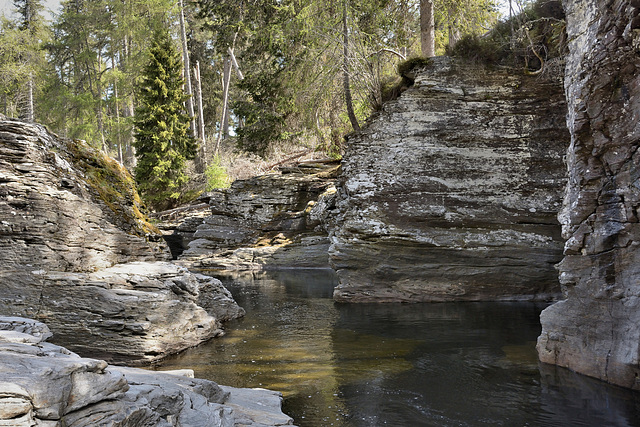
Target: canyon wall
{"x":268,"y":222}
{"x":595,"y":330}
{"x":77,"y":253}
{"x":450,"y":193}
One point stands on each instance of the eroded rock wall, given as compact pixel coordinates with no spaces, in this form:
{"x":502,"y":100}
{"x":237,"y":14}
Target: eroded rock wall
{"x":77,"y":253}
{"x":595,"y":330}
{"x":65,"y":206}
{"x":268,"y":222}
{"x":451,"y":192}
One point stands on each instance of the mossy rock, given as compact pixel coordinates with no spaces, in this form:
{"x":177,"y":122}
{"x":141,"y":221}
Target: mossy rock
{"x":113,"y":186}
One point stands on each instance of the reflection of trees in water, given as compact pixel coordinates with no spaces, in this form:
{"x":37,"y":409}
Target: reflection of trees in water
{"x":399,"y":364}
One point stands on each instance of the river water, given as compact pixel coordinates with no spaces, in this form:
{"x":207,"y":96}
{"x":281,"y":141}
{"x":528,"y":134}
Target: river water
{"x":449,"y":364}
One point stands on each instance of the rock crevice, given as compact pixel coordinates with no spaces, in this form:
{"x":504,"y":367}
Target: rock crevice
{"x":595,"y":330}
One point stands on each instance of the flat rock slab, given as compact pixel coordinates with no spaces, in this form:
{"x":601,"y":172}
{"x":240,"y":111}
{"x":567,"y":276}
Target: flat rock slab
{"x":135,"y":312}
{"x":46,"y":385}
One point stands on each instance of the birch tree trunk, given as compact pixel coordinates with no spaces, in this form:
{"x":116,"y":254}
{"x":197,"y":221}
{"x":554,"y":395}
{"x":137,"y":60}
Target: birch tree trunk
{"x":201,"y":162}
{"x":224,"y":120}
{"x":187,"y":71}
{"x":30,"y":115}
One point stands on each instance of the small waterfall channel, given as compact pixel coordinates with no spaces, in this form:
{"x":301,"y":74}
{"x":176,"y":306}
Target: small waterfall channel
{"x":448,"y":364}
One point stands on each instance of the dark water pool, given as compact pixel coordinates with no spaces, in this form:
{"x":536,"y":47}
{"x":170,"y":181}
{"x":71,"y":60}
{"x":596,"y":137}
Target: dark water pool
{"x":454,"y":364}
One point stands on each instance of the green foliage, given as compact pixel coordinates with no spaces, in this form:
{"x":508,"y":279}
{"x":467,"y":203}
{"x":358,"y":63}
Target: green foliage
{"x":22,"y":57}
{"x":217,"y":176}
{"x":162,"y":139}
{"x":530,"y":38}
{"x":112,"y":184}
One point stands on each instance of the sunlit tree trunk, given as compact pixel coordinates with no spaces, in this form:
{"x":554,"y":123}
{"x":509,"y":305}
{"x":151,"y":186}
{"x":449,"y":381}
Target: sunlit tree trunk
{"x":427,"y":29}
{"x":187,"y":68}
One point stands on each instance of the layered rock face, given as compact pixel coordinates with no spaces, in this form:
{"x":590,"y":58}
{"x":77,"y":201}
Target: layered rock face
{"x":267,"y":222}
{"x":134,"y":313}
{"x":77,"y":253}
{"x":66,"y":206}
{"x":451,"y":192}
{"x":595,"y":330}
{"x":42,"y":384}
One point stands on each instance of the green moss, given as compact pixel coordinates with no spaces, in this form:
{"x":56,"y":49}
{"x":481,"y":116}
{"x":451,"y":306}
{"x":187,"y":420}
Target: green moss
{"x":113,"y":185}
{"x":406,"y":68}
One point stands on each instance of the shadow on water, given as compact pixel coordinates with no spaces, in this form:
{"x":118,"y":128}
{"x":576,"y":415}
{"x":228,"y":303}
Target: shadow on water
{"x":450,"y":364}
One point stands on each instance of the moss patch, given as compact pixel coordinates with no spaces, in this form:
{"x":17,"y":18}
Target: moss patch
{"x":114,"y":186}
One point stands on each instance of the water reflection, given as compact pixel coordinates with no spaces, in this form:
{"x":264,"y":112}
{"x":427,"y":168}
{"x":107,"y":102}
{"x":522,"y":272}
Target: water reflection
{"x":463,"y":364}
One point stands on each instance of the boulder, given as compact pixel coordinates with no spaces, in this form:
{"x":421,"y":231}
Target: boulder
{"x":42,"y":384}
{"x":66,"y":206}
{"x":450,"y":193}
{"x":595,"y":330}
{"x":135,"y":313}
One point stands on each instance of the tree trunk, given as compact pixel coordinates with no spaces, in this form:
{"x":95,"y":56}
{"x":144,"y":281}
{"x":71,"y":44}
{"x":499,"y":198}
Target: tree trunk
{"x":118,"y":130}
{"x":201,"y":162}
{"x":454,"y":34}
{"x":30,"y":114}
{"x":224,"y":121}
{"x":427,"y":29}
{"x":187,"y":71}
{"x":345,"y":71}
{"x":235,"y":64}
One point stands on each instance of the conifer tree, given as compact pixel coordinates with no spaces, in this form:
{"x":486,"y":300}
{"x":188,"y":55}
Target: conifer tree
{"x":163,"y":141}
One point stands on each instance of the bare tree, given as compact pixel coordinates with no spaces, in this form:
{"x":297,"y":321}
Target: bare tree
{"x":187,"y":72}
{"x":345,"y":71}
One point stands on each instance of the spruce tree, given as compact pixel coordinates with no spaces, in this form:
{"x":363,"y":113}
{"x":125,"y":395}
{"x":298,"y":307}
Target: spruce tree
{"x":163,"y":142}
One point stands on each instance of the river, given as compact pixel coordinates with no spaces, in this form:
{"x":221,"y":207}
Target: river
{"x":447,"y":364}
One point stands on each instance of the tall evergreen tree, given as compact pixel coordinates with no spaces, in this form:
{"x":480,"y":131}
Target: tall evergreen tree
{"x":22,"y":59}
{"x":163,"y":142}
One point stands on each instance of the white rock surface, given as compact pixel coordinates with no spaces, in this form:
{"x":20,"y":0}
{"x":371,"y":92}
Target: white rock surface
{"x":46,"y":385}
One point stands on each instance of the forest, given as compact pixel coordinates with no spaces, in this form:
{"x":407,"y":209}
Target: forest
{"x":190,"y":95}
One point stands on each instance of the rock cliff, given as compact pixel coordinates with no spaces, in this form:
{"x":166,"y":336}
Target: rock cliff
{"x":42,"y":384}
{"x":77,"y":252}
{"x":451,"y":192}
{"x":267,"y":222}
{"x":595,"y":330}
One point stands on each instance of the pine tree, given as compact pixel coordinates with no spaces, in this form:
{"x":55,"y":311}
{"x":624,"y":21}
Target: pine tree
{"x":162,"y":139}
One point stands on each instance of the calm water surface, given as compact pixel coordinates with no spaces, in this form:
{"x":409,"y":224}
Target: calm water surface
{"x":455,"y":364}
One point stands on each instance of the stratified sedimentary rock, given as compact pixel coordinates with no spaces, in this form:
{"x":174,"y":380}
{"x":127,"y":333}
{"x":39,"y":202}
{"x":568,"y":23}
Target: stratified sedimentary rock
{"x":65,"y":206}
{"x":135,"y":312}
{"x":267,"y":222}
{"x":595,"y":330}
{"x":42,"y":384}
{"x":77,"y":253}
{"x":451,"y":192}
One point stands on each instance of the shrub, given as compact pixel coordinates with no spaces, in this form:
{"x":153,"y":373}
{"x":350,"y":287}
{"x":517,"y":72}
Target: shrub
{"x":217,"y":176}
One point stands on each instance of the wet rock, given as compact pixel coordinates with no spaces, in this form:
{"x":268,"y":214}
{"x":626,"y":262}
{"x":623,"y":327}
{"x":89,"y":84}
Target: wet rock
{"x":596,"y":329}
{"x":44,"y":384}
{"x":451,"y":191}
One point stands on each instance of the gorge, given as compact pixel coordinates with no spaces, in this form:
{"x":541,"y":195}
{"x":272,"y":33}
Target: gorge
{"x":449,"y":193}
